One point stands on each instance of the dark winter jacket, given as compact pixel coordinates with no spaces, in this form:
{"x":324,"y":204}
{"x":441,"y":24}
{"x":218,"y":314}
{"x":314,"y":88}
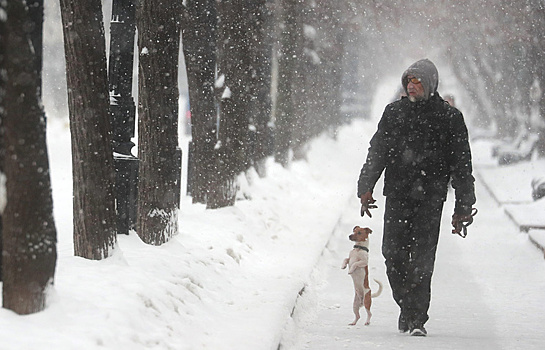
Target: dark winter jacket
{"x":421,"y":146}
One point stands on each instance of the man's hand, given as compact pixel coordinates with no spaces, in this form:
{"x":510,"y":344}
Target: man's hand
{"x":460,"y":222}
{"x":367,"y":202}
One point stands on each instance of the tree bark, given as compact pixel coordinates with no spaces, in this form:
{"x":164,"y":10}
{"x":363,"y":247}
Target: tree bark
{"x":3,"y":76}
{"x":332,"y":53}
{"x":159,"y":175}
{"x":92,"y":156}
{"x":302,"y":84}
{"x":234,"y":66}
{"x":29,"y":249}
{"x":538,"y":64}
{"x":284,"y":113}
{"x":199,"y":45}
{"x":261,"y":29}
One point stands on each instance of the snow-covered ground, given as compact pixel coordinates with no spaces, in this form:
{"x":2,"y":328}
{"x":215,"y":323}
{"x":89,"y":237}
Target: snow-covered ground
{"x":487,"y":290}
{"x":231,"y":278}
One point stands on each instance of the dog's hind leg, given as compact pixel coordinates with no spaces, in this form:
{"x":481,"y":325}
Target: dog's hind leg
{"x":356,"y":306}
{"x":367,"y":304}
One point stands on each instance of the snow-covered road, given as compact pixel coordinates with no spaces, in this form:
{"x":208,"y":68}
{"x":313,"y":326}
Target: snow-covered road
{"x":487,"y":290}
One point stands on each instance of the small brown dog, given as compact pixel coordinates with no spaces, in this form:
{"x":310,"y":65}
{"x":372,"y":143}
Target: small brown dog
{"x":358,"y":262}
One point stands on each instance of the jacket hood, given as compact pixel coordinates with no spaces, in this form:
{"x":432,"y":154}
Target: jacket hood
{"x":426,"y":71}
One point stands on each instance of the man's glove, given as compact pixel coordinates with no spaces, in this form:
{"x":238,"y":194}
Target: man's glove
{"x":367,"y":202}
{"x":461,"y":222}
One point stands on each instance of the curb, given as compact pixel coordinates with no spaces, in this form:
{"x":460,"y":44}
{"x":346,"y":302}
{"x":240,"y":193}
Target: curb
{"x":302,"y":290}
{"x":537,"y":237}
{"x":536,"y":234}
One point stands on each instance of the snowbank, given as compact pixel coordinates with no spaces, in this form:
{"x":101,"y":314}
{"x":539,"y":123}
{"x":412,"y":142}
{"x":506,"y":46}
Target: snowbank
{"x":230,"y":275}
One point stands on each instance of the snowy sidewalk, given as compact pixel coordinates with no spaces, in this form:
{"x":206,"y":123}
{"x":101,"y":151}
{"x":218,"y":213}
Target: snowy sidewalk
{"x":510,"y":186}
{"x":487,"y":291}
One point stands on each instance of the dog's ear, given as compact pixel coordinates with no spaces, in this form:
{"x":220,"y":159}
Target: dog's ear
{"x":370,"y":231}
{"x":355,"y":228}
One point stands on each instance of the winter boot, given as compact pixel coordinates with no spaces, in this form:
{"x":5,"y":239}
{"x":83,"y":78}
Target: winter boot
{"x":402,"y":324}
{"x":419,"y":332}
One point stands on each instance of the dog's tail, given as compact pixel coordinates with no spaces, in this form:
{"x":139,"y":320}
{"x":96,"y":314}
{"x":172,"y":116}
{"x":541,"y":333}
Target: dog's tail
{"x":379,"y":291}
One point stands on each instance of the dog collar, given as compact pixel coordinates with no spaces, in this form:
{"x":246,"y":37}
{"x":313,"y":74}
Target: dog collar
{"x":362,"y":248}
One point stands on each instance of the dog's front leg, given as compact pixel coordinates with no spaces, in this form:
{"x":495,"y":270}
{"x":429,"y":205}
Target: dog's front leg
{"x":357,"y":265}
{"x":345,"y":263}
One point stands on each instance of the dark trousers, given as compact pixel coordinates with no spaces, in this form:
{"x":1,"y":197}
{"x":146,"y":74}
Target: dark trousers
{"x":411,"y":233}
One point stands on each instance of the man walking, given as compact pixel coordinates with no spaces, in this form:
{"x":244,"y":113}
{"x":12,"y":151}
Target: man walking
{"x":421,"y":144}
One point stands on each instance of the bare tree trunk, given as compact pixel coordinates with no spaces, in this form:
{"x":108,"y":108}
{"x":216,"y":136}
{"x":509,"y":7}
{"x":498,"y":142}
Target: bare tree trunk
{"x":538,"y":55}
{"x":333,"y":53}
{"x":199,"y":45}
{"x":3,"y":78}
{"x":284,"y":113}
{"x":234,"y":60}
{"x":261,"y":48}
{"x":159,"y":175}
{"x":29,"y":249}
{"x":301,"y":84}
{"x":92,"y":157}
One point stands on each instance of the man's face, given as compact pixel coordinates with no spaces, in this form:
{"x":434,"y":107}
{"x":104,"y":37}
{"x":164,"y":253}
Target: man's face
{"x":415,"y":89}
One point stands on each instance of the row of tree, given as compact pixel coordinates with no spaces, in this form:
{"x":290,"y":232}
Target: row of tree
{"x":494,"y":47}
{"x":28,"y":230}
{"x":263,"y":77}
{"x":503,"y":66}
